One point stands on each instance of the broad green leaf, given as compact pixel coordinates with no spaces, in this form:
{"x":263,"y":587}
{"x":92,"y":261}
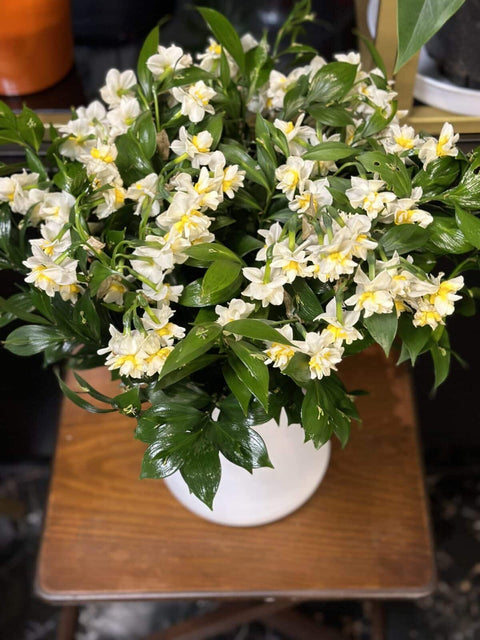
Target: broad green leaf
{"x":332,"y":151}
{"x":169,"y":447}
{"x":30,"y":127}
{"x":383,"y":328}
{"x":446,"y":237}
{"x":131,"y":160}
{"x":145,"y":132}
{"x":237,"y":155}
{"x":253,"y":372}
{"x":195,"y":365}
{"x":391,"y":170}
{"x":332,"y":116}
{"x":210,"y":252}
{"x":7,"y":117}
{"x":173,"y":413}
{"x":237,"y":387}
{"x":295,"y":98}
{"x":128,"y":402}
{"x":441,"y":359}
{"x":332,"y":82}
{"x":30,"y":339}
{"x":306,"y":302}
{"x":467,"y":193}
{"x":18,"y":306}
{"x":418,"y":21}
{"x":219,"y":276}
{"x":214,"y":126}
{"x":414,"y":338}
{"x":315,"y":421}
{"x":194,"y":294}
{"x":241,"y":445}
{"x":35,"y":164}
{"x":404,"y":238}
{"x":149,"y":48}
{"x":201,"y":470}
{"x":225,"y":34}
{"x":438,"y":174}
{"x":255,"y":329}
{"x":199,"y":340}
{"x":298,"y":369}
{"x":469,"y":225}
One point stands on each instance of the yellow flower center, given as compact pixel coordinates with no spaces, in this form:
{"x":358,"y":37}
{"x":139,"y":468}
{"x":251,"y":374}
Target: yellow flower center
{"x":441,"y":146}
{"x":403,"y":141}
{"x":337,"y":332}
{"x":197,"y":145}
{"x":404,"y":216}
{"x":105,"y":156}
{"x":289,"y":128}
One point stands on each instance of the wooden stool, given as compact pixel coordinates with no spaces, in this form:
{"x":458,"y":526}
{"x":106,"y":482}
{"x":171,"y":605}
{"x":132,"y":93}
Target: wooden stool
{"x":364,"y":535}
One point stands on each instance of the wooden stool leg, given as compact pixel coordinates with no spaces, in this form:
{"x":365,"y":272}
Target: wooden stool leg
{"x":297,"y":626}
{"x":375,"y":612}
{"x":226,"y":617}
{"x":68,"y":623}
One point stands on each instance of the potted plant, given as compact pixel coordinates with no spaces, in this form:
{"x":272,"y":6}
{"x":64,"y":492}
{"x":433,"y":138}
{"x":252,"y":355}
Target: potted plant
{"x":221,"y":235}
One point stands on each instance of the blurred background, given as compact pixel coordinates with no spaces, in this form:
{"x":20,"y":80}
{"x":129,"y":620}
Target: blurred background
{"x":90,"y":37}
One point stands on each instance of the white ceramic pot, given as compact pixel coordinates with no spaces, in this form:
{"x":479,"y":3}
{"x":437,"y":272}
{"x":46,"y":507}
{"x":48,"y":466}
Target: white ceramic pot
{"x":266,"y":495}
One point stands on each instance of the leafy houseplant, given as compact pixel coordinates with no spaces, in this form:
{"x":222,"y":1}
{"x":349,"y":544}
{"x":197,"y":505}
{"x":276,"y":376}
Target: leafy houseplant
{"x":223,"y":234}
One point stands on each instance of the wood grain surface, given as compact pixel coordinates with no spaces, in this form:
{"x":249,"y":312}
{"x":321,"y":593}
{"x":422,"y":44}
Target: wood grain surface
{"x":365,"y":533}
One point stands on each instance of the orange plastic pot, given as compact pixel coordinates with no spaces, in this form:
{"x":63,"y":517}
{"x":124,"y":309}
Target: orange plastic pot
{"x":36,"y":44}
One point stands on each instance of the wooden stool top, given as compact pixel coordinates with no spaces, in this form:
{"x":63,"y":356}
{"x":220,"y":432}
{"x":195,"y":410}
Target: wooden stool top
{"x":365,"y":533}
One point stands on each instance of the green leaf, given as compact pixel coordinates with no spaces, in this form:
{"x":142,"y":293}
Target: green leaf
{"x":237,"y":387}
{"x":173,"y":413}
{"x":146,"y":134}
{"x":225,"y":34}
{"x":210,"y":252}
{"x":255,"y":329}
{"x":404,"y":238}
{"x":169,"y":447}
{"x":186,"y":370}
{"x":332,"y":82}
{"x":469,"y":225}
{"x":391,"y":170}
{"x":332,"y":116}
{"x":30,"y":339}
{"x":315,"y":421}
{"x":467,"y":193}
{"x":418,"y":21}
{"x":330,"y":151}
{"x":383,"y":328}
{"x":295,"y":98}
{"x":306,"y":302}
{"x":441,"y":359}
{"x":35,"y":164}
{"x":87,"y":387}
{"x":214,"y":126}
{"x":250,"y":367}
{"x":18,"y":306}
{"x":195,"y":295}
{"x":446,"y":237}
{"x":414,"y":338}
{"x":202,"y":471}
{"x":149,"y":48}
{"x":438,"y":174}
{"x":30,"y":127}
{"x":241,"y":445}
{"x":128,"y":403}
{"x":199,"y":340}
{"x":131,"y":160}
{"x":219,"y":276}
{"x":237,"y":155}
{"x":78,"y":400}
{"x":298,"y":369}
{"x":7,"y":117}
{"x":373,"y":51}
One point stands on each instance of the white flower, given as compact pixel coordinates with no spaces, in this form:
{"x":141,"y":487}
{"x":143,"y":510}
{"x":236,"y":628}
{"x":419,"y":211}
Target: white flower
{"x":101,"y":160}
{"x":195,"y":100}
{"x":366,"y":194}
{"x":47,"y":275}
{"x":445,"y":296}
{"x":20,"y":191}
{"x":297,"y":135}
{"x":126,"y":352}
{"x":359,"y":227}
{"x":278,"y":85}
{"x":209,"y":60}
{"x":117,"y":85}
{"x":249,"y":42}
{"x":144,"y":193}
{"x":280,"y":354}
{"x":163,"y":293}
{"x":54,"y":207}
{"x":54,"y":240}
{"x":197,"y":147}
{"x":123,"y":115}
{"x":444,"y":146}
{"x":399,"y":139}
{"x":166,"y":331}
{"x":328,"y":166}
{"x":334,"y":258}
{"x":343,"y":329}
{"x":93,"y":114}
{"x":405,"y":212}
{"x":427,"y":315}
{"x":293,"y":175}
{"x":292,"y":264}
{"x":372,"y":296}
{"x":271,"y":237}
{"x":113,"y":198}
{"x":168,"y":59}
{"x":184,"y":218}
{"x":155,"y":354}
{"x":81,"y":138}
{"x":270,"y":292}
{"x":153,"y":259}
{"x":204,"y":193}
{"x":236,"y":310}
{"x":313,"y":196}
{"x":324,"y":354}
{"x":230,"y":179}
{"x":112,"y":290}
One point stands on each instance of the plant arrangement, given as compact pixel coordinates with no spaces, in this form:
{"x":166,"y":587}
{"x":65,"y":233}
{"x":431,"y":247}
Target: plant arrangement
{"x":222,"y":234}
